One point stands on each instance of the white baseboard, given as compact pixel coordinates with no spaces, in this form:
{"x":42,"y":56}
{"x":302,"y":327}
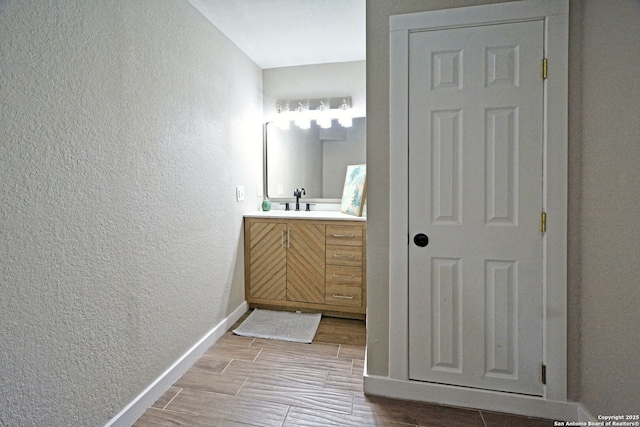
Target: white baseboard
{"x":529,"y":406}
{"x":144,"y":400}
{"x":583,"y":414}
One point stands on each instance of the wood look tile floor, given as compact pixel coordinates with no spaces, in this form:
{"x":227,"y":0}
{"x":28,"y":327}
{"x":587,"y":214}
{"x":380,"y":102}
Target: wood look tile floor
{"x":243,"y":381}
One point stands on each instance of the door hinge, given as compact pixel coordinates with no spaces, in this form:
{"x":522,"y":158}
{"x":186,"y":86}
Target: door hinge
{"x":544,"y":68}
{"x":543,"y":372}
{"x":543,"y":222}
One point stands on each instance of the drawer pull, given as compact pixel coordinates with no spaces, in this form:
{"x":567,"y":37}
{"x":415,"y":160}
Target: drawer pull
{"x":349,"y":236}
{"x":337,"y":276}
{"x":342,"y":256}
{"x":343,"y":296}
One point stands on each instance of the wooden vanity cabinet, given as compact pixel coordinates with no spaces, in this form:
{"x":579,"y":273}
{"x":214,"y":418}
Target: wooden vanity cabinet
{"x":311,"y":265}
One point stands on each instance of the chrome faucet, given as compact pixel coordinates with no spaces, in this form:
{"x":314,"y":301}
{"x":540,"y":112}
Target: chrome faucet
{"x":297,"y":194}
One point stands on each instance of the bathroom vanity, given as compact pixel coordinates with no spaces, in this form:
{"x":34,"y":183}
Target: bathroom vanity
{"x":308,"y":261}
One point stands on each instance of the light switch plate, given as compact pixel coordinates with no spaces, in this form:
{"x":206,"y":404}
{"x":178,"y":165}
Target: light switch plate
{"x":239,"y":193}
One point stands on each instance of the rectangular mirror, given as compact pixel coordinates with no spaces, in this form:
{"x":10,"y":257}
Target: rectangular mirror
{"x":315,"y":159}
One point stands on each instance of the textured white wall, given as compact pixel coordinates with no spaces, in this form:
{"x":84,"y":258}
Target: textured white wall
{"x":610,"y":217}
{"x":125,"y":127}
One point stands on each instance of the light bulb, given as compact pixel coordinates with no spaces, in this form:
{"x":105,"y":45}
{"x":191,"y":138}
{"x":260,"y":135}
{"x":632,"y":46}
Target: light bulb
{"x":346,"y":121}
{"x":302,"y":116}
{"x":324,"y":122}
{"x":282,"y":123}
{"x":303,"y":124}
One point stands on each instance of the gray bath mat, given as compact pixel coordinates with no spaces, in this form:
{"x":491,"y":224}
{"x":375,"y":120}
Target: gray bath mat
{"x":280,"y":325}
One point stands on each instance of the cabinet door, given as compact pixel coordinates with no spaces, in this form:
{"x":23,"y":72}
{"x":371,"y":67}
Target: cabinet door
{"x":305,"y":262}
{"x":268,"y":261}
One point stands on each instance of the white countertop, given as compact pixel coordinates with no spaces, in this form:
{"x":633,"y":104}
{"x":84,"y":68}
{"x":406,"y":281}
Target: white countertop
{"x":323,"y":215}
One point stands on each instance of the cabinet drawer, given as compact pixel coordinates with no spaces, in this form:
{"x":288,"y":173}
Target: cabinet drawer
{"x":350,"y":296}
{"x":341,"y":274}
{"x":344,"y":255}
{"x":350,"y":235}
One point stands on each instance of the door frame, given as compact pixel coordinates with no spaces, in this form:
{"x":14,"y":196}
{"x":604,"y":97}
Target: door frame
{"x":555,"y":14}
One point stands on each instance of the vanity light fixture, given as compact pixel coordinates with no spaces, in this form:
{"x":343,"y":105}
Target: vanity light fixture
{"x":319,"y":110}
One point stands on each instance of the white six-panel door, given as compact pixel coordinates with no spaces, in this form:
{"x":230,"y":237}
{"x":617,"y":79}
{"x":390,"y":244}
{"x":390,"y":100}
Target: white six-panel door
{"x":476,"y":191}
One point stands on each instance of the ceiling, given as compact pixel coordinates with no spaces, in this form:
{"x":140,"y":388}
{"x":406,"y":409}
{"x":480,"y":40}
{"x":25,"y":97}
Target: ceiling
{"x":282,"y":33}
